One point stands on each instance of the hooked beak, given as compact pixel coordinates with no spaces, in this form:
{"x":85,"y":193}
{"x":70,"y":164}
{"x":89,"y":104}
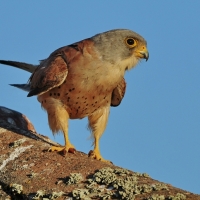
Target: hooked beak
{"x":143,"y":53}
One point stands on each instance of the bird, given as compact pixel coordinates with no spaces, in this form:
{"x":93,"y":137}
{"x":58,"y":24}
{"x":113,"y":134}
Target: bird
{"x":84,"y":79}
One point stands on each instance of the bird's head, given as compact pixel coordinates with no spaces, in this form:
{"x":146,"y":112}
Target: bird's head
{"x":121,"y":45}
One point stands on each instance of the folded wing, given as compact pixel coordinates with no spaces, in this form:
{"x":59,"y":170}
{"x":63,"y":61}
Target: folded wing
{"x":51,"y":73}
{"x":118,"y":93}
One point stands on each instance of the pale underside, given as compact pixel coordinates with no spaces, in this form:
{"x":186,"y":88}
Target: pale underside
{"x":90,"y":83}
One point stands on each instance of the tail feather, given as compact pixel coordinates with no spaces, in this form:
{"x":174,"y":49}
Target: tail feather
{"x":25,"y":66}
{"x":25,"y":87}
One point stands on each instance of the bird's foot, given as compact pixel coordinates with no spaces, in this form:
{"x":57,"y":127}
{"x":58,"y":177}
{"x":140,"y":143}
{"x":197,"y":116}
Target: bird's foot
{"x":97,"y":156}
{"x":63,"y":149}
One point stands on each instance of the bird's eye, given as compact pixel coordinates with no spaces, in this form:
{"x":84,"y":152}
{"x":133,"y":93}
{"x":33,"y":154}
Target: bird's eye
{"x":130,"y":42}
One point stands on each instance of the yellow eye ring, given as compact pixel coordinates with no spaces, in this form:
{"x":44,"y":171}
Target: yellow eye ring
{"x":130,"y":42}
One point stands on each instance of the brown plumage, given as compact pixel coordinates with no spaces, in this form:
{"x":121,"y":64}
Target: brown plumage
{"x":84,"y":79}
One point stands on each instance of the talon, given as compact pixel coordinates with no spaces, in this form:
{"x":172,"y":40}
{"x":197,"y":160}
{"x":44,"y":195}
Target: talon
{"x":62,"y":150}
{"x":72,"y":150}
{"x":91,"y":154}
{"x":97,"y":156}
{"x":49,"y":150}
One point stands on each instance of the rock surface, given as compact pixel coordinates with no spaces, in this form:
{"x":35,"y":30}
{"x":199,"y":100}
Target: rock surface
{"x":29,"y":171}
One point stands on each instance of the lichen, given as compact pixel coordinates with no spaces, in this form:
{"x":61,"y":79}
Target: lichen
{"x":17,"y":143}
{"x":81,"y":194}
{"x":106,"y":183}
{"x":178,"y":196}
{"x":105,"y":175}
{"x":39,"y":194}
{"x":91,"y":185}
{"x":142,"y":174}
{"x":55,"y":195}
{"x":121,"y":171}
{"x":120,"y":183}
{"x":16,"y":188}
{"x":74,"y":178}
{"x":156,"y":197}
{"x":125,"y":182}
{"x":119,"y":179}
{"x":159,"y":186}
{"x":104,"y":196}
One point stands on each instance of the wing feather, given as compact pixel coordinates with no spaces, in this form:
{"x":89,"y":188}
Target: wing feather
{"x":51,"y":73}
{"x":118,"y":93}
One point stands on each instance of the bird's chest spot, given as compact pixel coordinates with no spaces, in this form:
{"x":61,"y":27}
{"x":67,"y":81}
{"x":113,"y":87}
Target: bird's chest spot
{"x":82,"y":97}
{"x":80,"y":101}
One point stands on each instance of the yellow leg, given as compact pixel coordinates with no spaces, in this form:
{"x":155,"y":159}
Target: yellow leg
{"x":63,"y":149}
{"x":58,"y":121}
{"x":97,"y":124}
{"x":96,"y":152}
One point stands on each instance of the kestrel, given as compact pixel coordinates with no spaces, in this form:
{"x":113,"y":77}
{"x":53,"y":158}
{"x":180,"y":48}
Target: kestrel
{"x":83,"y":80}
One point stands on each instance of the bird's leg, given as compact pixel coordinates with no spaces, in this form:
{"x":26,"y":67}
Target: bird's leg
{"x":68,"y":146}
{"x":58,"y":121}
{"x":97,"y":124}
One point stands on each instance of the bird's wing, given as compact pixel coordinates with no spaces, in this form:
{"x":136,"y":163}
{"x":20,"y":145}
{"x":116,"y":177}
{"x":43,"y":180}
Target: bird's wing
{"x":118,"y":93}
{"x":51,"y":73}
{"x":25,"y":87}
{"x":25,"y":66}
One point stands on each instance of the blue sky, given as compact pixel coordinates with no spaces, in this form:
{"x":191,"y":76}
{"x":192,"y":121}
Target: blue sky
{"x":156,"y":129}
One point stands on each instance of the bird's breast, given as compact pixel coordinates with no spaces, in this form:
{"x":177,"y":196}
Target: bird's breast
{"x":87,"y":88}
{"x":78,"y":100}
{"x":87,"y":95}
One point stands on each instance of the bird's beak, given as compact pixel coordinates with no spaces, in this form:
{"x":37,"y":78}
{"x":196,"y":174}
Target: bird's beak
{"x":143,"y":53}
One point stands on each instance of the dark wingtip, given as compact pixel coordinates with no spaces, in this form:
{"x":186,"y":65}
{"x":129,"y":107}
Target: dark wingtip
{"x":25,"y":66}
{"x":30,"y":94}
{"x":25,"y":87}
{"x":33,"y":92}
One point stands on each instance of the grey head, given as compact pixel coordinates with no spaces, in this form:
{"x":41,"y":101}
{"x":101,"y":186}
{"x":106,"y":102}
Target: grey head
{"x":120,"y":43}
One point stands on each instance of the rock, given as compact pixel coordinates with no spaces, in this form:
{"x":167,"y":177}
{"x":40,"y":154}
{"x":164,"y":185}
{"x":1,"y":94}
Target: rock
{"x":29,"y":171}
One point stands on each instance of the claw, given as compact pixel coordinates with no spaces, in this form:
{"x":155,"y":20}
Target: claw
{"x":72,"y":150}
{"x":62,"y":150}
{"x":97,"y":156}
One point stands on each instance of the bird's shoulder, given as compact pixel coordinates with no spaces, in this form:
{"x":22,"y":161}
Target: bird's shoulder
{"x":53,"y":71}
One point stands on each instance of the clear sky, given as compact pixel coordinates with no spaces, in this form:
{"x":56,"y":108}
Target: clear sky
{"x":156,"y":129}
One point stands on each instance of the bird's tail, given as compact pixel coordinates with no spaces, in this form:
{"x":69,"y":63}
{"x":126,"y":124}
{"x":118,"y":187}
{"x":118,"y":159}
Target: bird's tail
{"x":25,"y":66}
{"x":25,"y":87}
